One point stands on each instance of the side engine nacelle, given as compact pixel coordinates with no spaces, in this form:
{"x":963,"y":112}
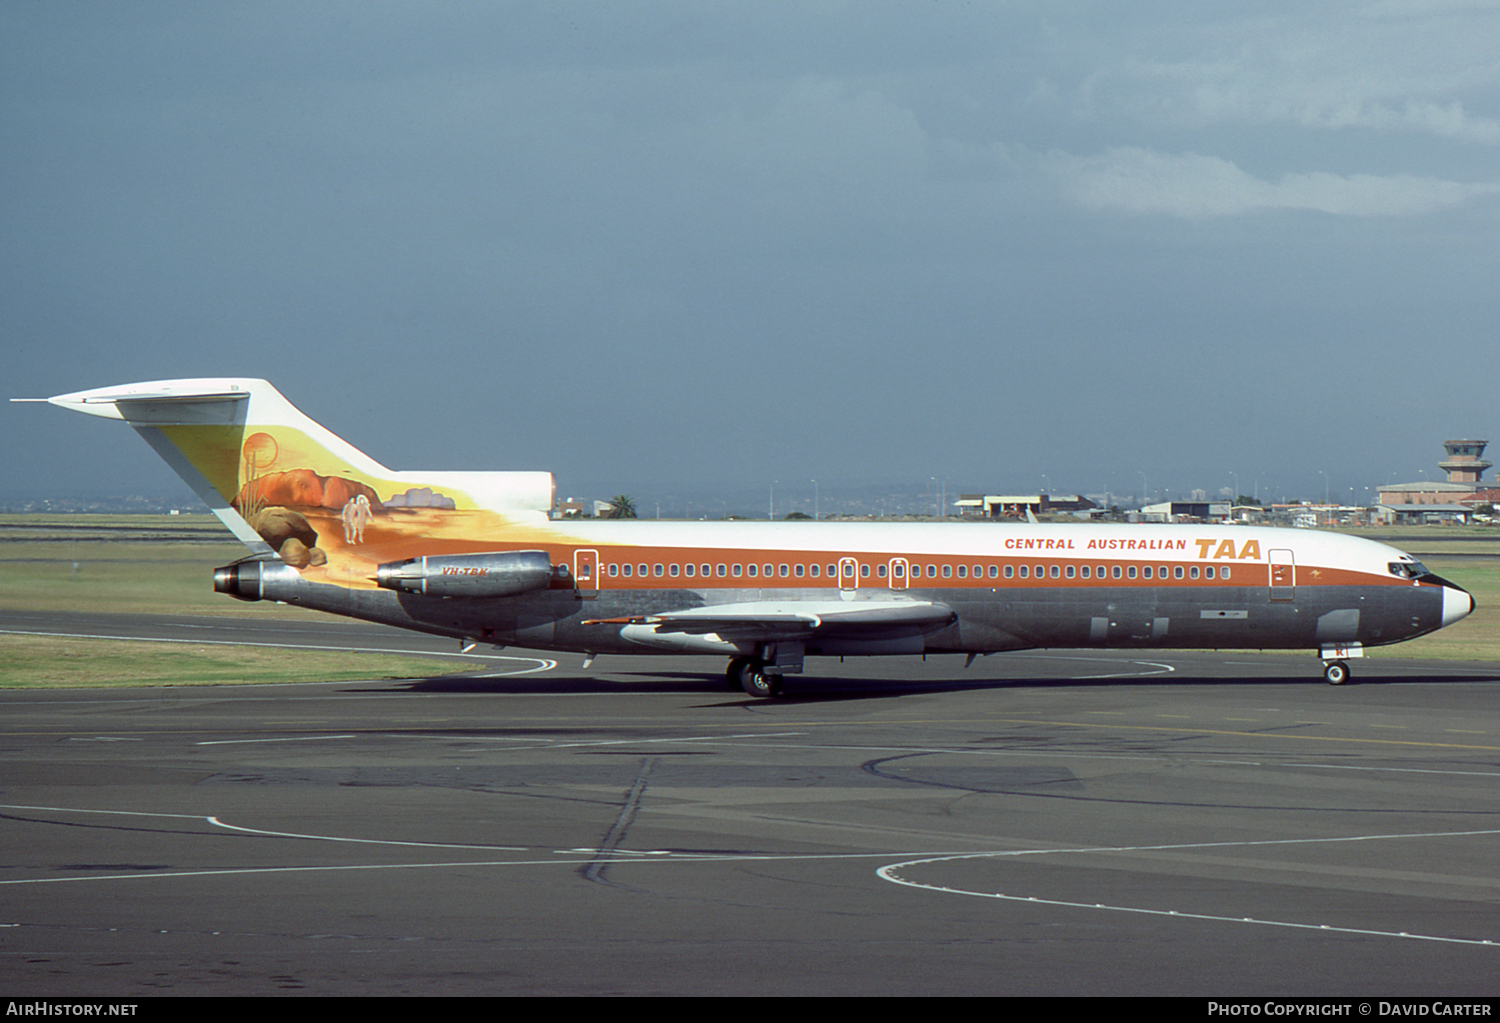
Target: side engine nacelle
{"x":269,"y":579}
{"x":471,"y":575}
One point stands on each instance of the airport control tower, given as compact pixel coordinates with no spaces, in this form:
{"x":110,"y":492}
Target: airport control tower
{"x":1465,"y":462}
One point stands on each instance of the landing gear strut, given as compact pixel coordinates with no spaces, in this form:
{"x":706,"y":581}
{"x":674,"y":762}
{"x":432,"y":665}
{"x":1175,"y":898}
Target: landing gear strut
{"x":749,"y":674}
{"x":1336,"y":673}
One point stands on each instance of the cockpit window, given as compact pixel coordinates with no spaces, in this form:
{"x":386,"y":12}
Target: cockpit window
{"x":1407,"y":569}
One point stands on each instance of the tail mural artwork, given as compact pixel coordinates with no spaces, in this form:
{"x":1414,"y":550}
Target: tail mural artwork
{"x":477,"y":557}
{"x":320,"y":505}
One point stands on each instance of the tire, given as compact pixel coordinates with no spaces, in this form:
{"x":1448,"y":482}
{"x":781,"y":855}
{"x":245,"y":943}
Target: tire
{"x":1336,"y":673}
{"x":753,"y":678}
{"x":733,"y":672}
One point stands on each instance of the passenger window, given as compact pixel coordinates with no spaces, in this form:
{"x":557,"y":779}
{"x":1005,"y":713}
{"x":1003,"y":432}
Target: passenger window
{"x":642,"y":570}
{"x":898,"y":570}
{"x":614,"y":570}
{"x":813,"y":570}
{"x":751,"y":570}
{"x":782,"y":571}
{"x":1177,"y":572}
{"x":1041,"y":571}
{"x":1025,"y":572}
{"x":1055,"y":571}
{"x":797,"y":571}
{"x":672,"y":570}
{"x":627,"y":569}
{"x":1192,"y":571}
{"x":1224,"y":573}
{"x":735,"y":570}
{"x":963,"y":571}
{"x":719,"y":571}
{"x":880,"y":571}
{"x":864,"y":571}
{"x":1115,"y":571}
{"x":1069,"y":572}
{"x":767,"y":571}
{"x":687,"y":570}
{"x":1146,"y":572}
{"x":1130,"y":572}
{"x":947,"y":571}
{"x":994,"y":571}
{"x":1083,"y":570}
{"x":1208,"y":573}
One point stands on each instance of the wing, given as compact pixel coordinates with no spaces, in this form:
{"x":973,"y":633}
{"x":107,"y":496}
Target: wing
{"x":771,"y":621}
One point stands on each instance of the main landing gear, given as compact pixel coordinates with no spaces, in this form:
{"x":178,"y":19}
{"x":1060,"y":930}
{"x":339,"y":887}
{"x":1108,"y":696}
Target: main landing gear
{"x":750,"y":674}
{"x":1335,"y":673}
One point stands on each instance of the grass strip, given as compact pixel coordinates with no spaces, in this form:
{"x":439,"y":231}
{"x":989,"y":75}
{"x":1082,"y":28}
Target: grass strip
{"x":48,"y":662}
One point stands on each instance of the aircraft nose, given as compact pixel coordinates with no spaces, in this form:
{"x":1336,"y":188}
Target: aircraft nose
{"x":1457,"y":603}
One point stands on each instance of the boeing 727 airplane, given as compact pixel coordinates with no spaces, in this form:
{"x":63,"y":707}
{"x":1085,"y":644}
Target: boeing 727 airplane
{"x":477,"y":557}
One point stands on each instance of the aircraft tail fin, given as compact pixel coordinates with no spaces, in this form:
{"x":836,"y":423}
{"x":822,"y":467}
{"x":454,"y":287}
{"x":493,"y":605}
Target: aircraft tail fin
{"x":272,"y":475}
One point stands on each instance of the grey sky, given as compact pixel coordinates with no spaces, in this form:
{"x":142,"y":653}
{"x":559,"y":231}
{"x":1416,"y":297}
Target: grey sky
{"x":666,"y":246}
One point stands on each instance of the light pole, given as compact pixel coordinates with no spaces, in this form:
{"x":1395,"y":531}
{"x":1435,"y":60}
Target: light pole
{"x":815,"y":500}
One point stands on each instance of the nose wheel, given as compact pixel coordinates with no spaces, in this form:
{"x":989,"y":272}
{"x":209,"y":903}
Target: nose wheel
{"x":1336,"y":673}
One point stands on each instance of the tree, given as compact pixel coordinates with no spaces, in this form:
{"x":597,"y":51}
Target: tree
{"x":621,"y":507}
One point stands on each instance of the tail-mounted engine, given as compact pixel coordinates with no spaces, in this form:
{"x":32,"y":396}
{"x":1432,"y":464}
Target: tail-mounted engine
{"x":473,"y":575}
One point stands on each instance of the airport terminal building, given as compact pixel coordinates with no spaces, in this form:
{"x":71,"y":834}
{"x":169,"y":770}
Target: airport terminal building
{"x":1460,"y":496}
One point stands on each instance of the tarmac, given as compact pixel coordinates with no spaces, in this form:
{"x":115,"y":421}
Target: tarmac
{"x":1045,"y":823}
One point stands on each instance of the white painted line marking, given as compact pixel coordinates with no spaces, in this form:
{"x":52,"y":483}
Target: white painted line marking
{"x":121,"y":813}
{"x":362,"y":841}
{"x":296,"y":738}
{"x":888,"y":873}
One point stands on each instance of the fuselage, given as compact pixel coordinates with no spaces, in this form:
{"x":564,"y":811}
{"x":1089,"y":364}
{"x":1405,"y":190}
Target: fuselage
{"x":1009,"y":586}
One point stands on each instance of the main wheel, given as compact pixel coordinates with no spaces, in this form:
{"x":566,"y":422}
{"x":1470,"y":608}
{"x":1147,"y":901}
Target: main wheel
{"x":751,"y":674}
{"x":732,"y":673}
{"x":1336,"y":673}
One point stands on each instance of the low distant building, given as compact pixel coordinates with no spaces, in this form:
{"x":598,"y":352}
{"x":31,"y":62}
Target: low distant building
{"x":1000,"y":506}
{"x":1186,"y":511}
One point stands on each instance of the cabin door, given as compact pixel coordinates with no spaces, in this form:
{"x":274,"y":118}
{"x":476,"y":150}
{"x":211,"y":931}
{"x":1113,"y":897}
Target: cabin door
{"x":1283,"y":575}
{"x":586,"y":573}
{"x":898,"y":569}
{"x":848,"y":574}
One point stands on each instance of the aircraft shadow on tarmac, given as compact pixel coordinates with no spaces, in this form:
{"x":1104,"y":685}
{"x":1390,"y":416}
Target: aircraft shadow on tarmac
{"x":806,"y":688}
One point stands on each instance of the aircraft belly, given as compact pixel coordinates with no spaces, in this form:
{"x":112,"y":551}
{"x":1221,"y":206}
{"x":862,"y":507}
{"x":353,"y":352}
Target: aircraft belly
{"x":997,"y":620}
{"x":1157,"y":617}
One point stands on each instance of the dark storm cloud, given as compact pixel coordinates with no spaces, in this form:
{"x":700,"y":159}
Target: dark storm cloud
{"x":658,"y":245}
